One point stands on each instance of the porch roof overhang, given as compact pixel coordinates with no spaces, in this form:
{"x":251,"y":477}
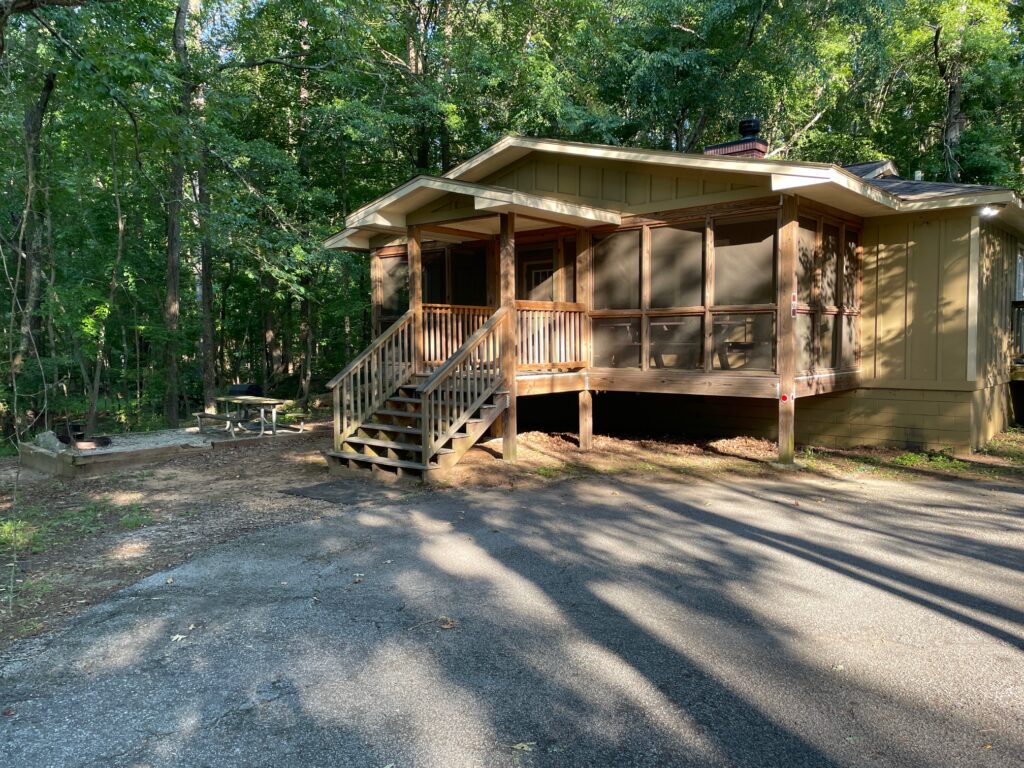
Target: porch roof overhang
{"x":392,"y":213}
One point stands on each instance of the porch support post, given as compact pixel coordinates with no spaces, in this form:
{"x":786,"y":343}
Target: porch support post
{"x":415,"y":250}
{"x":376,"y":290}
{"x":585,"y":297}
{"x":586,"y":420}
{"x":785,"y":339}
{"x":507,"y":269}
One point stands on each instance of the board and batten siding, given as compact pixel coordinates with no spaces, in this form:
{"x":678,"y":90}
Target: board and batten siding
{"x":915,"y":330}
{"x":622,"y":186}
{"x":996,"y":275}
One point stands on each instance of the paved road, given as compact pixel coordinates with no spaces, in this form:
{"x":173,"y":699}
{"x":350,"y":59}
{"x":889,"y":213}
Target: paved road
{"x":599,"y":622}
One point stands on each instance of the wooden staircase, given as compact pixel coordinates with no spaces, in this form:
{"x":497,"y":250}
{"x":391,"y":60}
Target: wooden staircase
{"x":391,"y":440}
{"x":390,"y":420}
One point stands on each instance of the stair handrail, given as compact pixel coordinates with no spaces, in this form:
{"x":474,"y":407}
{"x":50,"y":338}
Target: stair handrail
{"x":372,"y":376}
{"x":468,"y":381}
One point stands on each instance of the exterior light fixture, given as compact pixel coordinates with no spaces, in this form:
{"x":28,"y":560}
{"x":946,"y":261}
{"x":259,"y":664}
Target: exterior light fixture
{"x":991,"y":210}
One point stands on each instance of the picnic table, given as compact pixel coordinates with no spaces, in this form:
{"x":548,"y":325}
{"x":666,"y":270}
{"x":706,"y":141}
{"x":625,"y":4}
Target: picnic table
{"x":246,"y":407}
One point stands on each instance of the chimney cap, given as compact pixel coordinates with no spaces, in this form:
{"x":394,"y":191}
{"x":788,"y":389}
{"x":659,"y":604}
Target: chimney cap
{"x":750,"y":128}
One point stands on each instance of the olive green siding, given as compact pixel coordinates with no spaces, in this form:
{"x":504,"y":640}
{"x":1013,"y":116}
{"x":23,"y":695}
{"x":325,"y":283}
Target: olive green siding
{"x":915,"y":322}
{"x":998,"y":253}
{"x":626,"y":187}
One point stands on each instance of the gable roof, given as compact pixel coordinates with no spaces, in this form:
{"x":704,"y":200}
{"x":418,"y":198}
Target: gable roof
{"x":864,"y":189}
{"x":873,"y":169}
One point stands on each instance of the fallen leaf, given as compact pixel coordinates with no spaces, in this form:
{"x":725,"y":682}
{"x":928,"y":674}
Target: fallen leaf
{"x":445,"y":623}
{"x":9,"y":712}
{"x":177,"y":638}
{"x":525,"y":746}
{"x":169,"y":580}
{"x":986,"y":746}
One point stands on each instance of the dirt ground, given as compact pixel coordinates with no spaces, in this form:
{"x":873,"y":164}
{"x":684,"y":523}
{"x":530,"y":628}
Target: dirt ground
{"x":70,"y":543}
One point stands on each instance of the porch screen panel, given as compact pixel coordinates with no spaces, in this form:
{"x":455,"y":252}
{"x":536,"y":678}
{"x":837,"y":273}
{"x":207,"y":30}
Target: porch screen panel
{"x":826,"y":341}
{"x":616,"y":342}
{"x":434,"y":278}
{"x":829,"y":265}
{"x":805,"y":354}
{"x":677,"y":342}
{"x":469,"y":276}
{"x":744,"y":341}
{"x":805,"y":260}
{"x":569,"y":252}
{"x":617,"y":271}
{"x":848,"y":350}
{"x":745,"y":261}
{"x":395,"y":279}
{"x":677,"y":266}
{"x":851,"y":270}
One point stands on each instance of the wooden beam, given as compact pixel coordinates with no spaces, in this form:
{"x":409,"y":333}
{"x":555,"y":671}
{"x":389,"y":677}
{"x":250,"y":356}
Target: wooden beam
{"x":507,"y":270}
{"x":468,"y":234}
{"x":679,"y":382}
{"x":416,"y":294}
{"x":784,"y":327}
{"x":586,"y":420}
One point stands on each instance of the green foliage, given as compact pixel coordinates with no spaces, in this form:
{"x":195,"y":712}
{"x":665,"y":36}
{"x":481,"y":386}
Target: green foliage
{"x":300,"y":112}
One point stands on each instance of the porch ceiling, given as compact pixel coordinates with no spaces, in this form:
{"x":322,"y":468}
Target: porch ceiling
{"x":390,"y":213}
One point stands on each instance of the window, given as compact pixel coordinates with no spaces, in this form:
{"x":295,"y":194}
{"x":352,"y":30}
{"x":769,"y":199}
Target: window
{"x":677,"y":266}
{"x":617,"y":271}
{"x":745,"y":261}
{"x":616,"y":342}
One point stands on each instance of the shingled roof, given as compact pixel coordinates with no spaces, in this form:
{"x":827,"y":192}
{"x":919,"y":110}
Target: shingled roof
{"x":906,"y":189}
{"x":882,"y":174}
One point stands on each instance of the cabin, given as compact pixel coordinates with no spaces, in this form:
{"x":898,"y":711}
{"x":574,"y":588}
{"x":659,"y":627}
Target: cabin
{"x":811,"y":303}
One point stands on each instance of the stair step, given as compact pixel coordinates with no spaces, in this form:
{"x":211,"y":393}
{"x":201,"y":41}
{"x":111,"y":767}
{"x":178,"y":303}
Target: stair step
{"x":391,"y":428}
{"x":374,"y":442}
{"x":398,"y":413}
{"x":416,"y":400}
{"x":380,"y":460}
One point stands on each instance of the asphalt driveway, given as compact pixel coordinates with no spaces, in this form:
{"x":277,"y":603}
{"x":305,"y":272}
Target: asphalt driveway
{"x":597,"y":622}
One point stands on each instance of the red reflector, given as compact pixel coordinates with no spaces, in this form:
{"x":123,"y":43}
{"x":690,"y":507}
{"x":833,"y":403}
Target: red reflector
{"x":785,"y":398}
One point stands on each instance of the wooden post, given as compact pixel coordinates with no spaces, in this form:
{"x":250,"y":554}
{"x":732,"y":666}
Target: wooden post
{"x":376,"y":290}
{"x":583,"y":292}
{"x":507,"y":268}
{"x":586,"y":420}
{"x":784,"y":328}
{"x":709,"y":294}
{"x":416,"y":295}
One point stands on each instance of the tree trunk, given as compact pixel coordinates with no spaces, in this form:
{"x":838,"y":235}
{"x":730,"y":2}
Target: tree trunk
{"x":207,"y":343}
{"x":176,"y":191}
{"x":30,"y":237}
{"x":97,"y":376}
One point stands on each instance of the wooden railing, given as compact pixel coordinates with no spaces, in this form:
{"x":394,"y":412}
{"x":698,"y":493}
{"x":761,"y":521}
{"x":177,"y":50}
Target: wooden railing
{"x":372,"y":377}
{"x":446,"y":327}
{"x":456,"y":390}
{"x":550,"y":335}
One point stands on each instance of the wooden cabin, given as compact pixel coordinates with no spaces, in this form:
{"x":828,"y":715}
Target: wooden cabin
{"x":813,"y":303}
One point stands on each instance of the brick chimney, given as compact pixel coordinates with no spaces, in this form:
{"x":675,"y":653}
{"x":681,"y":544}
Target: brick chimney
{"x":750,"y":145}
